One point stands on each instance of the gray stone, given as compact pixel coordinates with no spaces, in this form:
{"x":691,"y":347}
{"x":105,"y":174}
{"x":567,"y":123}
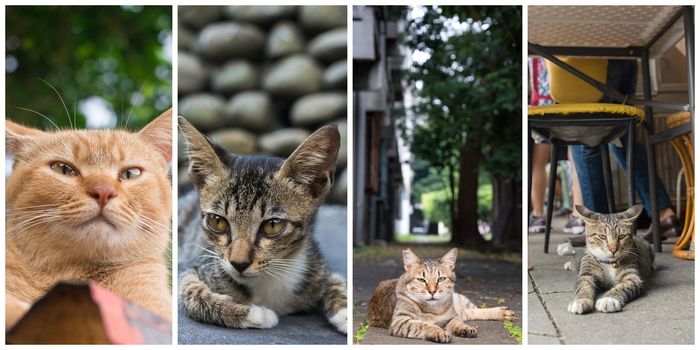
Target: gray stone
{"x":339,"y":192}
{"x":319,"y":18}
{"x":204,"y":111}
{"x":295,"y":75}
{"x":336,"y":75}
{"x":183,"y":177}
{"x":318,"y":108}
{"x":198,"y":16}
{"x":223,"y":40}
{"x":330,"y":46}
{"x":235,"y":76}
{"x":238,"y":141}
{"x":260,"y":14}
{"x":186,"y":39}
{"x":250,"y":110}
{"x":282,"y":142}
{"x":191,"y":73}
{"x":343,"y":151}
{"x":285,"y":38}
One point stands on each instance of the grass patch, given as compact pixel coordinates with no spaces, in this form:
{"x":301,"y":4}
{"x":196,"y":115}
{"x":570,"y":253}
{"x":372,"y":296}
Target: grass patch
{"x":411,"y":238}
{"x":360,"y":335}
{"x":514,"y":331}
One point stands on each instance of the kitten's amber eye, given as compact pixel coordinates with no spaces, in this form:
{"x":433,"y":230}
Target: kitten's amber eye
{"x":63,"y":169}
{"x":440,"y":279}
{"x":421,"y":280}
{"x":273,"y":227}
{"x":217,"y":223}
{"x":130,"y":174}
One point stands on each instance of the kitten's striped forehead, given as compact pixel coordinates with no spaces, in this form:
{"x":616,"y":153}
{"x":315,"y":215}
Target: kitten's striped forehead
{"x":248,"y":186}
{"x":97,"y":148}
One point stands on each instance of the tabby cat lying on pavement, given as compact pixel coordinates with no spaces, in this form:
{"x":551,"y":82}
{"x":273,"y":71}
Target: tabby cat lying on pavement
{"x":615,"y":261}
{"x":422,"y":304}
{"x":250,"y":226}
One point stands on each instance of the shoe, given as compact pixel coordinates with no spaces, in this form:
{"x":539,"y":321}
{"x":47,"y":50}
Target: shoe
{"x":575,"y":225}
{"x":669,"y":227}
{"x":577,"y":241}
{"x":562,"y":212}
{"x":536,"y":224}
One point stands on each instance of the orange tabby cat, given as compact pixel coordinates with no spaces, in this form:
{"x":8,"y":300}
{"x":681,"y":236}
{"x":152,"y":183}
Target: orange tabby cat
{"x":88,"y":205}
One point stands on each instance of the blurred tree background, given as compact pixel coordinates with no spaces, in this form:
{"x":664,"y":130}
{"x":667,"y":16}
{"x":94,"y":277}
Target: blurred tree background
{"x":465,"y":77}
{"x":109,"y":64}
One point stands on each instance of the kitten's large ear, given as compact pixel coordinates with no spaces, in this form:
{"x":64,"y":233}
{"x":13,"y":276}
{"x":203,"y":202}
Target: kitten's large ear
{"x":159,"y":133}
{"x":18,"y":136}
{"x":450,"y":259}
{"x":312,"y":165}
{"x":631,"y":214}
{"x":410,"y":260}
{"x":205,"y":157}
{"x":587,"y":214}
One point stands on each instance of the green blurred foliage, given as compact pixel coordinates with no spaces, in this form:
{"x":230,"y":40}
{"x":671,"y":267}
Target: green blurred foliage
{"x":115,"y":53}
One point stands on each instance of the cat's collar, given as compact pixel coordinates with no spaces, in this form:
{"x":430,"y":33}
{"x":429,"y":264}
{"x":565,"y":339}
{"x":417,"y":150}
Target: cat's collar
{"x":614,"y":263}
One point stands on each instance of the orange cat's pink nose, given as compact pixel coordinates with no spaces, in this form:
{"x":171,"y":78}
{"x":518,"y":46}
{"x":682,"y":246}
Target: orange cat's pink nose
{"x":102,"y":193}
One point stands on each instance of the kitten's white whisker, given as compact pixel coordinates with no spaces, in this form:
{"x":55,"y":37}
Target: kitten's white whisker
{"x":60,"y":98}
{"x":45,"y":117}
{"x":126,"y":124}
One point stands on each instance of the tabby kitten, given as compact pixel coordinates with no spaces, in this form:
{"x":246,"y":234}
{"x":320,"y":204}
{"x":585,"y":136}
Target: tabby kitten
{"x":422,"y":304}
{"x":615,"y":261}
{"x":88,"y":205}
{"x":250,"y":228}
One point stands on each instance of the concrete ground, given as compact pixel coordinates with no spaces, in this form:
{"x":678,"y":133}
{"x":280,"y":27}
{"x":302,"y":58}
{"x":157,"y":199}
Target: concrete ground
{"x":664,"y":314}
{"x":330,"y":230}
{"x":488,"y":281}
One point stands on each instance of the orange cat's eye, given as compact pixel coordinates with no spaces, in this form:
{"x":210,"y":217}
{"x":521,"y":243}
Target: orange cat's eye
{"x":422,"y":280}
{"x":273,"y":227}
{"x":63,"y":169}
{"x":217,"y":223}
{"x":441,"y":279}
{"x":130,"y":174}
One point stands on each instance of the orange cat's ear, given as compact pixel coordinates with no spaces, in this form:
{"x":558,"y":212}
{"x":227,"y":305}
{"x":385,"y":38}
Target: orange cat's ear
{"x":449,"y":259}
{"x":410,"y":260}
{"x":17,"y":136}
{"x":206,"y":158}
{"x":159,"y":133}
{"x":312,"y":165}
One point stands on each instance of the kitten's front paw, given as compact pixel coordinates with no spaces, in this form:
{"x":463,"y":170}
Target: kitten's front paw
{"x":340,"y":321}
{"x":508,"y":314}
{"x":260,"y":317}
{"x":608,"y":304}
{"x":580,"y":306}
{"x":465,"y":331}
{"x":439,"y":336}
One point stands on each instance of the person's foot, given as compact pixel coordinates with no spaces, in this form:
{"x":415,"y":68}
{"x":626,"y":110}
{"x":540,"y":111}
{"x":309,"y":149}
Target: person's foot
{"x":577,"y":241}
{"x":562,"y":212}
{"x":669,"y":227}
{"x":536,"y":224}
{"x":575,"y":225}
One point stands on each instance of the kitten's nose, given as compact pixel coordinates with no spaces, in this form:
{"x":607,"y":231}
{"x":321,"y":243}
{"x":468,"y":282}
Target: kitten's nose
{"x":612,"y":248}
{"x":102,"y":193}
{"x":240,"y":266}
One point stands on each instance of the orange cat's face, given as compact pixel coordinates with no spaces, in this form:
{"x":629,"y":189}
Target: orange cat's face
{"x":92,"y":193}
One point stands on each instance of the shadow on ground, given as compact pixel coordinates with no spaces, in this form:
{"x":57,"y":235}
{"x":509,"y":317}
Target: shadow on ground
{"x":330,"y":230}
{"x":664,"y":314}
{"x":487,"y":280}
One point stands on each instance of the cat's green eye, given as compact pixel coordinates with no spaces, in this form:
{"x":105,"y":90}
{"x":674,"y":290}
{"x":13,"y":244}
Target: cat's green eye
{"x":422,"y":280}
{"x":273,"y":227}
{"x":130,"y":174}
{"x":440,"y":279}
{"x":63,"y":169}
{"x":217,"y":223}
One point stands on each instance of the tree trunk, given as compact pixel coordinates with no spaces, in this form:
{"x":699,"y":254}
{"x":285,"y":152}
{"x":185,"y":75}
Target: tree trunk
{"x":466,"y":233}
{"x":506,"y":224}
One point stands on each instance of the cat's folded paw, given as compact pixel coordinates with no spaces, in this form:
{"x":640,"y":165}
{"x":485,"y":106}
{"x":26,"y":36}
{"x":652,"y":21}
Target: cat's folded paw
{"x":608,"y":304}
{"x":465,"y":331}
{"x":340,"y":320}
{"x":260,"y":317}
{"x":580,"y":306}
{"x":439,"y":336}
{"x":507,"y":314}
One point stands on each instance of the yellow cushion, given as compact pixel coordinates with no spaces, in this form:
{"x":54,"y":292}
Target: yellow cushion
{"x":576,"y":108}
{"x":677,"y":119}
{"x":567,"y":88}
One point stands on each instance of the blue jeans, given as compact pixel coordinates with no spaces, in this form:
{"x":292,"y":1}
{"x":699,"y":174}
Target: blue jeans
{"x":622,"y":76}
